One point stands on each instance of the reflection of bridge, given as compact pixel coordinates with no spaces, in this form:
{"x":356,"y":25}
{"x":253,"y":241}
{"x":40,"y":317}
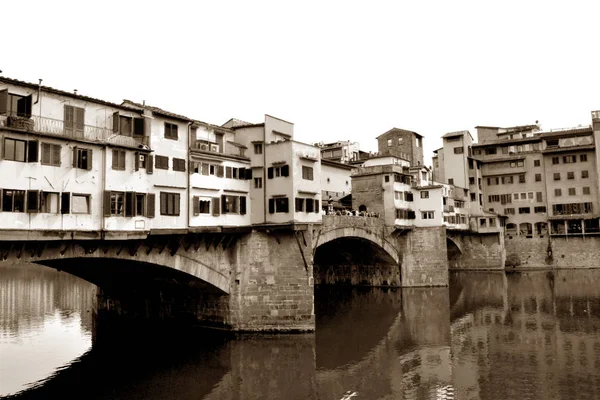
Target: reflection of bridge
{"x":257,"y":278}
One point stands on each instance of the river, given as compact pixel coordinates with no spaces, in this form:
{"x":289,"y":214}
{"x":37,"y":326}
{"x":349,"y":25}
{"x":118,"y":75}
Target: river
{"x":529,"y":335}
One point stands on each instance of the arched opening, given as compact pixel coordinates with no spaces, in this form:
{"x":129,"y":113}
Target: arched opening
{"x":511,"y":229}
{"x":355,"y":261}
{"x":525,"y":229}
{"x":362,"y":208}
{"x":454,"y":253}
{"x":541,"y":228}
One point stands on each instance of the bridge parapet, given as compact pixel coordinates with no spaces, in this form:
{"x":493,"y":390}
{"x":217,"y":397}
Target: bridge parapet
{"x":351,"y":221}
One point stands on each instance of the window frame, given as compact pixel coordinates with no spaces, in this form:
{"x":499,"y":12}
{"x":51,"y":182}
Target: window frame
{"x":171,"y":131}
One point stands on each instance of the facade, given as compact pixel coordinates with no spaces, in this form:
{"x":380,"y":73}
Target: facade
{"x":336,"y":183}
{"x":402,"y":144}
{"x":342,"y":151}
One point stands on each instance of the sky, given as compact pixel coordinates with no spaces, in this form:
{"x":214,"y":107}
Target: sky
{"x":339,"y":70}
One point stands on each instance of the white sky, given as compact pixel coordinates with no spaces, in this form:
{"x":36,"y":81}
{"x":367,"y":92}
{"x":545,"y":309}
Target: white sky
{"x":337,"y":69}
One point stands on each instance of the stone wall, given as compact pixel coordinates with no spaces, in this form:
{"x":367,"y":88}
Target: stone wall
{"x":370,"y":275}
{"x":553,"y":252}
{"x":424,"y":257}
{"x":272,"y":283}
{"x":478,"y":251}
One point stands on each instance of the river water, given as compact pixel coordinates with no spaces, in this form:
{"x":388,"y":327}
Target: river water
{"x":488,"y":336}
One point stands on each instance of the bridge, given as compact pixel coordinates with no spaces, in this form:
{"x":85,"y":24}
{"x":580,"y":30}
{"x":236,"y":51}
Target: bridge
{"x":253,"y":278}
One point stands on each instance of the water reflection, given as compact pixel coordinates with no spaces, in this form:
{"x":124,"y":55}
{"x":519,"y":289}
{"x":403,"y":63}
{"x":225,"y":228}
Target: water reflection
{"x":490,"y":336}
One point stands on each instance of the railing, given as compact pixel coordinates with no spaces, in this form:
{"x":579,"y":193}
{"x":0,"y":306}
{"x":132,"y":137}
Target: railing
{"x":57,"y":127}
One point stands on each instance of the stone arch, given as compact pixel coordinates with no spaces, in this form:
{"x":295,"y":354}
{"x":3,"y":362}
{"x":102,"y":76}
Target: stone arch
{"x":453,"y":241}
{"x":362,"y":208}
{"x":54,"y":255}
{"x":355,"y":232}
{"x":454,"y":251}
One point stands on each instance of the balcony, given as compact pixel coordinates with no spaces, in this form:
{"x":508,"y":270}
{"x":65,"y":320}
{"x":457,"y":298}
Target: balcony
{"x":55,"y":127}
{"x":448,"y":208}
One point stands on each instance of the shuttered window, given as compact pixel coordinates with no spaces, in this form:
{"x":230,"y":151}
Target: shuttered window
{"x":74,"y":121}
{"x":51,"y":154}
{"x":82,"y":158}
{"x":178,"y":164}
{"x":161,"y":162}
{"x":118,"y":160}
{"x":307,"y":173}
{"x":169,"y":203}
{"x":170,"y":131}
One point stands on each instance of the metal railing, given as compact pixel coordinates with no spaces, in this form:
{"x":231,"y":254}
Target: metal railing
{"x":57,"y":127}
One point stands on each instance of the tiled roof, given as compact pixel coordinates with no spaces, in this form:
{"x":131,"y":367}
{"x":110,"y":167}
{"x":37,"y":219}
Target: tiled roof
{"x":568,"y":132}
{"x":399,"y":130}
{"x":457,"y":133}
{"x":157,"y":110}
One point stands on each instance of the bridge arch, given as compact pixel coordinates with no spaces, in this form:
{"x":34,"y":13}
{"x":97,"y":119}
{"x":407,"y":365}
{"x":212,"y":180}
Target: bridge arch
{"x":360,"y":233}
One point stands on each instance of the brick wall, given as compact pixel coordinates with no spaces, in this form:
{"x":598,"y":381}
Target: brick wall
{"x":424,"y":257}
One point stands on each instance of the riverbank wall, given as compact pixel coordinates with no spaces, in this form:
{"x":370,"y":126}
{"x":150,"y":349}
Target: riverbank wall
{"x":552,"y":252}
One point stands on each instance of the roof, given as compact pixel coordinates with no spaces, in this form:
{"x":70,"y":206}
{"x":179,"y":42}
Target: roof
{"x":159,"y":111}
{"x":569,"y":148}
{"x":454,"y":134}
{"x":535,"y":138}
{"x":568,"y":132}
{"x":336,"y":164}
{"x":573,"y":216}
{"x":399,"y":130}
{"x":261,"y":124}
{"x":429,"y":187}
{"x":518,"y":128}
{"x":49,"y":89}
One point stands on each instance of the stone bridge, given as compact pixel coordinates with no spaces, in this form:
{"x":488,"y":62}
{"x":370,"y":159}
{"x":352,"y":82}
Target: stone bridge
{"x":253,"y":279}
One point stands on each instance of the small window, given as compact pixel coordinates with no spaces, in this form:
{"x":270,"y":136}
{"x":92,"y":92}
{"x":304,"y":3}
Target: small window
{"x":80,"y":203}
{"x":427,"y":214}
{"x":169,"y":203}
{"x":570,"y":175}
{"x":539,"y":197}
{"x":520,"y":163}
{"x":524,"y":210}
{"x":482,"y":222}
{"x":82,"y":158}
{"x":425,"y":194}
{"x":538,"y":177}
{"x":50,"y":154}
{"x":118,"y":160}
{"x":140,"y":204}
{"x":555,"y":160}
{"x":49,"y":202}
{"x":389,"y":142}
{"x":307,"y":173}
{"x":522,"y":178}
{"x":490,"y":151}
{"x":459,"y":150}
{"x":257,"y":183}
{"x":13,"y":200}
{"x":179,"y":164}
{"x":204,"y":206}
{"x":400,"y":140}
{"x":161,"y":162}
{"x":15,"y":150}
{"x":557,"y":192}
{"x":572,"y":191}
{"x":117,"y":203}
{"x":585,"y":174}
{"x":230,"y":204}
{"x":258,"y":148}
{"x":536,"y":163}
{"x":171,"y":131}
{"x":523,"y":196}
{"x":386,"y":178}
{"x":530,"y":195}
{"x":540,"y":209}
{"x":451,"y":181}
{"x":471,"y":180}
{"x":583,"y":157}
{"x":586,"y":190}
{"x":557,"y":176}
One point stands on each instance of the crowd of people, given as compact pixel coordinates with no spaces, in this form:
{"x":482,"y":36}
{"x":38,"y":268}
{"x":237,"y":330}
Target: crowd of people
{"x":351,"y":213}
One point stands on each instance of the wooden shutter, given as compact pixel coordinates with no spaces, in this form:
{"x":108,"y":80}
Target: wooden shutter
{"x":285,"y":170}
{"x":116,"y":122}
{"x":79,"y":121}
{"x":32,"y":151}
{"x":106,"y":203}
{"x":4,"y":101}
{"x":163,"y":203}
{"x":24,"y":107}
{"x":241,"y":173}
{"x":177,"y":200}
{"x":300,"y":204}
{"x":75,"y":157}
{"x":69,"y":120}
{"x":150,"y":205}
{"x":223,"y":204}
{"x":196,"y":205}
{"x":115,"y":159}
{"x":220,"y":171}
{"x":89,"y":159}
{"x":136,"y":161}
{"x":286,"y":205}
{"x":215,"y":206}
{"x":228,"y":172}
{"x":33,"y":201}
{"x":270,"y":173}
{"x":56,"y":155}
{"x":129,"y":204}
{"x":122,"y":159}
{"x":271,"y":206}
{"x":138,"y":126}
{"x":248,"y":173}
{"x":46,"y":153}
{"x":243,"y":205}
{"x":150,"y":164}
{"x":65,"y":203}
{"x":317,"y":208}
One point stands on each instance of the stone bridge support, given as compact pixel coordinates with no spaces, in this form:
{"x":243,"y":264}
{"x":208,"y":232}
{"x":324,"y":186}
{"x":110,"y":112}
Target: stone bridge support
{"x":424,"y":257}
{"x":477,"y":251}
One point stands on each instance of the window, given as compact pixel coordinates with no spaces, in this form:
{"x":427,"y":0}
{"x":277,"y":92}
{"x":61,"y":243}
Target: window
{"x":80,"y":203}
{"x":493,"y":198}
{"x":451,"y":181}
{"x":482,"y":222}
{"x":470,"y":164}
{"x":82,"y":158}
{"x":427,"y":214}
{"x":570,"y":175}
{"x":140,"y":204}
{"x":476,"y":152}
{"x":20,"y":150}
{"x":258,"y":148}
{"x":386,"y":178}
{"x":278,"y":205}
{"x":307,"y":173}
{"x":49,"y":202}
{"x":117,"y":203}
{"x":555,"y":160}
{"x":569,"y":159}
{"x":523,"y":196}
{"x":257,"y":183}
{"x":128,"y":126}
{"x":509,"y":211}
{"x":140,"y":161}
{"x":169,"y":203}
{"x":178,"y":164}
{"x":585,"y":174}
{"x":586,"y":190}
{"x":490,"y":151}
{"x":161,"y":162}
{"x":231,"y":204}
{"x":522,"y":178}
{"x":538,"y":177}
{"x":284,"y":170}
{"x":524,"y":210}
{"x":170,"y":131}
{"x":15,"y":104}
{"x":228,"y":172}
{"x":400,"y":140}
{"x":507,"y":179}
{"x":389,"y":142}
{"x":74,"y":121}
{"x":419,"y":142}
{"x":572,"y":191}
{"x":424,"y":194}
{"x":536,"y":163}
{"x":459,"y":150}
{"x":492,"y":221}
{"x":557,"y":192}
{"x":118,"y":160}
{"x":13,"y":200}
{"x":540,"y":209}
{"x":582,"y":157}
{"x":504,"y":149}
{"x":552,"y":143}
{"x":539,"y":197}
{"x":204,"y":206}
{"x":471,"y":180}
{"x":299,"y":204}
{"x":50,"y":154}
{"x":557,"y":176}
{"x":530,"y":195}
